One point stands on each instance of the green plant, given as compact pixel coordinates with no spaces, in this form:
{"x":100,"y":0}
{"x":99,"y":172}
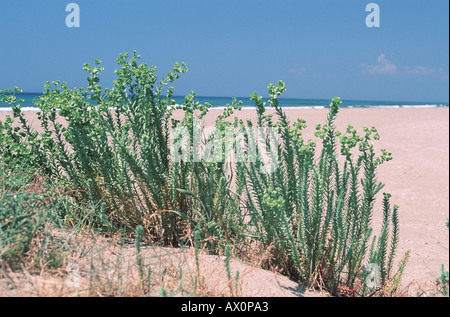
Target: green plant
{"x":21,"y":214}
{"x":139,"y":232}
{"x":443,"y":279}
{"x":317,"y":212}
{"x":50,"y":259}
{"x":233,"y":283}
{"x":19,"y":146}
{"x":197,"y":263}
{"x":114,"y":152}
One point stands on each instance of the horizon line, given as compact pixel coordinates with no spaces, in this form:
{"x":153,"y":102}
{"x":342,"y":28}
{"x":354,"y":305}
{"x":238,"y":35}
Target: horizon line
{"x":291,"y":98}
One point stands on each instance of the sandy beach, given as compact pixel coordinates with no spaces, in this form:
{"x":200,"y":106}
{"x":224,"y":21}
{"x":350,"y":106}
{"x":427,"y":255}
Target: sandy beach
{"x":417,"y":177}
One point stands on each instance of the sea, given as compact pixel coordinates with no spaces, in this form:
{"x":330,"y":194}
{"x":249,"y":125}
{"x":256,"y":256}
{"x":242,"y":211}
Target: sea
{"x":220,"y":102}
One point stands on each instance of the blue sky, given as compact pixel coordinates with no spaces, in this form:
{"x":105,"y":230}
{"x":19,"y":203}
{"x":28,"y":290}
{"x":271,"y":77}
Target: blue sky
{"x":320,"y":48}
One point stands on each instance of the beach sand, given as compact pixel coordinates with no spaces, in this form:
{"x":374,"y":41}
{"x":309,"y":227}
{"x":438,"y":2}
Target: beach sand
{"x":417,"y":177}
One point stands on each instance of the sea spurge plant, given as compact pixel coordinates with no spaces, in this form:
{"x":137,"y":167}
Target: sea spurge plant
{"x":114,"y":146}
{"x":19,"y":146}
{"x":319,"y":216}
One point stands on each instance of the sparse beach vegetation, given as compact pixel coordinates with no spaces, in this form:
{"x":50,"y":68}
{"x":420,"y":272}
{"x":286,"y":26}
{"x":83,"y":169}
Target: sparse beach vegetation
{"x":103,"y":167}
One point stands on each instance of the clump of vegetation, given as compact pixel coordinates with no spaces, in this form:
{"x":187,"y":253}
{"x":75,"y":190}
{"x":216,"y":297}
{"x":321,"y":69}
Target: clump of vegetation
{"x":317,"y":212}
{"x":20,"y":214}
{"x":111,"y":148}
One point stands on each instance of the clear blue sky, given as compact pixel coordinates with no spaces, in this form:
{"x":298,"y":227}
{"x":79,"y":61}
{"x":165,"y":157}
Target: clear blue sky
{"x":320,"y":48}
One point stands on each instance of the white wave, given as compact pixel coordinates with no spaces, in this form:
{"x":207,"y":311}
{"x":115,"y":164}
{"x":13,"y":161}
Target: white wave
{"x":383,"y":106}
{"x":420,"y":106}
{"x":9,"y":109}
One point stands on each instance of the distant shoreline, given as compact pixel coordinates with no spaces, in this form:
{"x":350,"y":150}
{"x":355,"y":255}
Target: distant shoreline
{"x":35,"y":109}
{"x":285,"y":103}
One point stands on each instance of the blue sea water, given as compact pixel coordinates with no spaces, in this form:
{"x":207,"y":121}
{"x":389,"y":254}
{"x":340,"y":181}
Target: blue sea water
{"x":246,"y":102}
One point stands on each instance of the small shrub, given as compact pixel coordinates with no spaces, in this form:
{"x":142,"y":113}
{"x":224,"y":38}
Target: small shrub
{"x":317,"y":212}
